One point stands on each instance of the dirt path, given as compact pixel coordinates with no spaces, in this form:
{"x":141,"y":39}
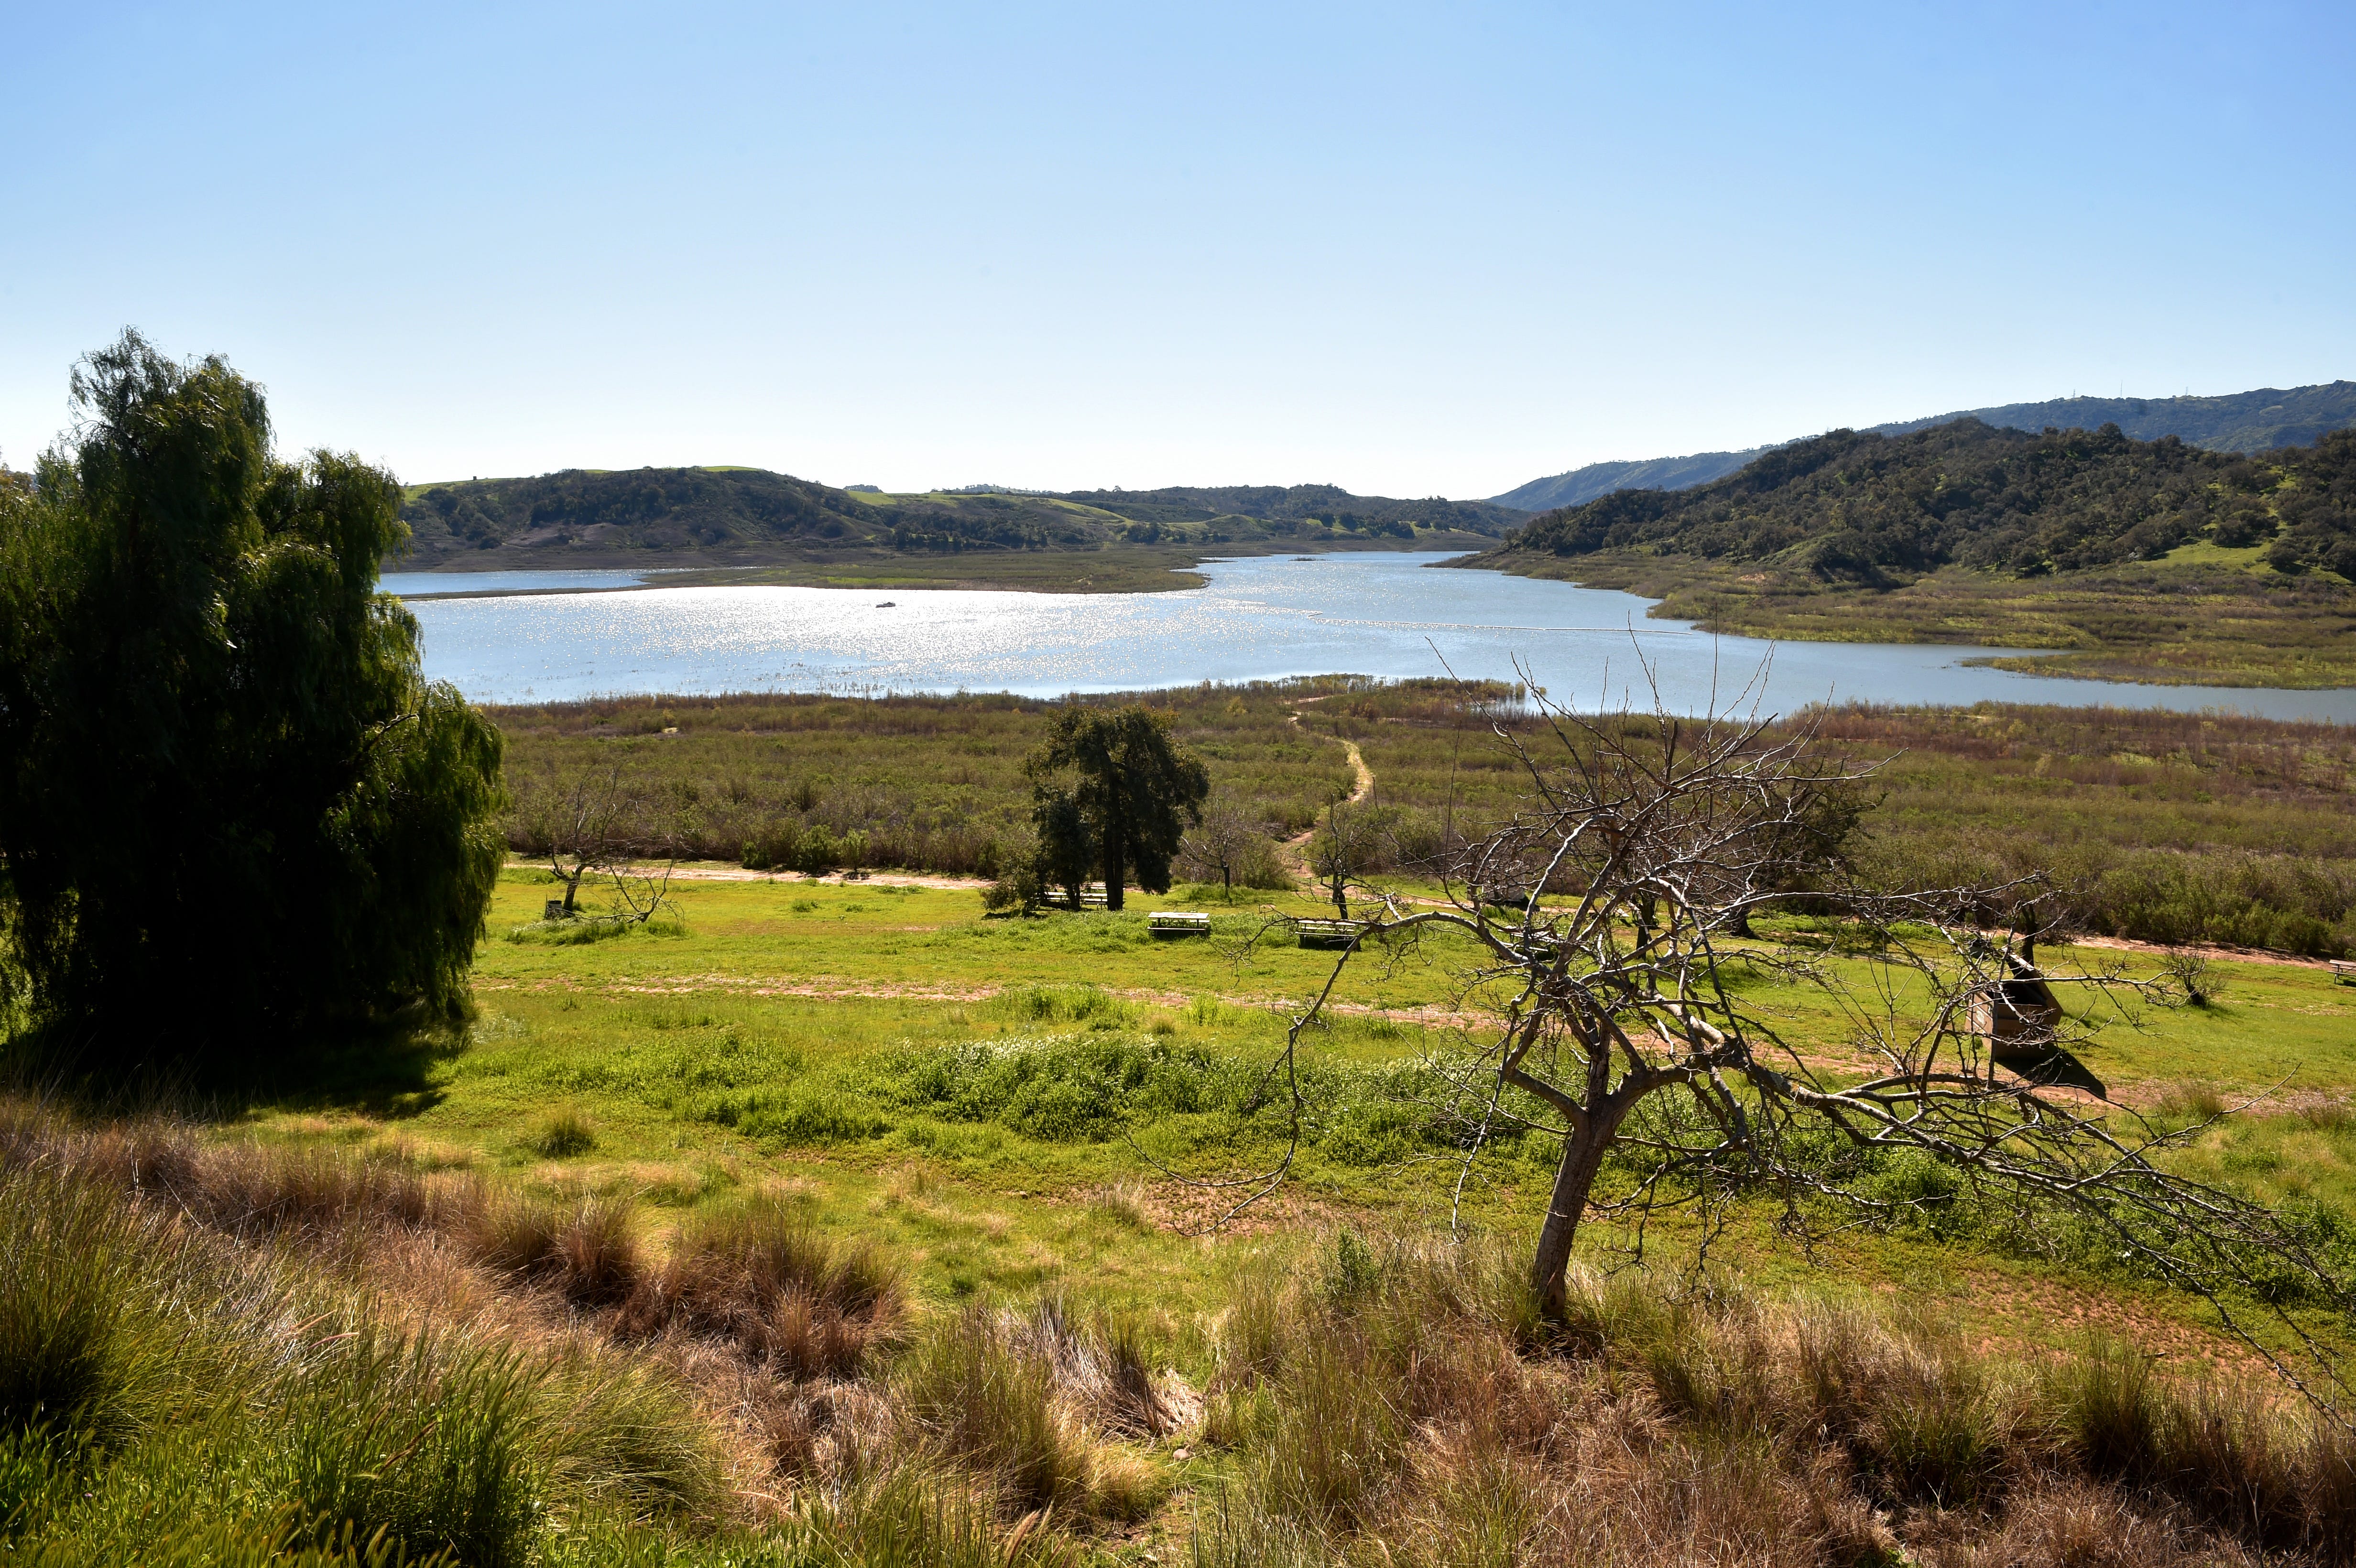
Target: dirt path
{"x":1363,"y":786}
{"x":2238,"y":954}
{"x":716,"y":871}
{"x":843,"y":987}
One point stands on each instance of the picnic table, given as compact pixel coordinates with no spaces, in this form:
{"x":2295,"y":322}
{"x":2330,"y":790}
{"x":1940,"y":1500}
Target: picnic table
{"x":2343,"y":971}
{"x":1328,"y":933}
{"x":1178,"y":923}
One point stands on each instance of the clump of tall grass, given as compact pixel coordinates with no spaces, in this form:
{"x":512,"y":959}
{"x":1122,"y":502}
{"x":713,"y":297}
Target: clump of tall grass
{"x":1121,"y":1203}
{"x":759,"y":1275}
{"x":422,"y":1437}
{"x":561,"y":1133}
{"x":1403,"y":1390}
{"x":588,"y":1250}
{"x":983,"y":1389}
{"x":912,"y":1515}
{"x":982,"y":1401}
{"x":1101,"y":1367}
{"x":168,"y":1395}
{"x":79,"y":1361}
{"x":2190,"y":1103}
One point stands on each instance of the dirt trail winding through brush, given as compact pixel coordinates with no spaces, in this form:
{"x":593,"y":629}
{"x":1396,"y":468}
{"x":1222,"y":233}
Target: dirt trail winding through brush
{"x":1359,"y":790}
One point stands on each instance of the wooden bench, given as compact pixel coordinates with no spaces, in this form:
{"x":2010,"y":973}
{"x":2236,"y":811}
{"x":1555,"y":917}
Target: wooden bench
{"x":1178,"y":923}
{"x":2343,"y":971}
{"x":1328,"y":933}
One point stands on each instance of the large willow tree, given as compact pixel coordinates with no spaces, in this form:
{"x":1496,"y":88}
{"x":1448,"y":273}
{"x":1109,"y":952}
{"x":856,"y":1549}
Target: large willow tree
{"x":229,"y":800}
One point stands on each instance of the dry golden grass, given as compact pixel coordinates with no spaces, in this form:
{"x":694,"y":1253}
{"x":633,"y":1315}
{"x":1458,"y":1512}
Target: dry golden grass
{"x":1387,"y":1400}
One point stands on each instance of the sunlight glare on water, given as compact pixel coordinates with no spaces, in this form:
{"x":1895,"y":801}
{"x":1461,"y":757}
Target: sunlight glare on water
{"x":1260,"y":618}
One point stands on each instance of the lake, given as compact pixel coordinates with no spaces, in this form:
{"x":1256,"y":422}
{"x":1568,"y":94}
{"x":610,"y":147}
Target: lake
{"x":1260,"y":618}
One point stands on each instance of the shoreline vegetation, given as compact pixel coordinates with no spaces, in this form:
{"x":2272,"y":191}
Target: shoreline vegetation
{"x":2204,"y":616}
{"x":1109,"y":569}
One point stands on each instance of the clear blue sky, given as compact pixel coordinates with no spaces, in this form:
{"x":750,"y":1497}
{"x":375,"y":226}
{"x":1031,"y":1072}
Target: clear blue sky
{"x":1409,"y":250}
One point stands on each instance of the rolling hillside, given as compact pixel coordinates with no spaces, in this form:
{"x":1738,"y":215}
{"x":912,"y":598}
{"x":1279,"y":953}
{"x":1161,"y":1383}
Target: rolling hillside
{"x":749,"y":517}
{"x":1324,"y":504}
{"x":2152,"y":561}
{"x":2246,"y":422}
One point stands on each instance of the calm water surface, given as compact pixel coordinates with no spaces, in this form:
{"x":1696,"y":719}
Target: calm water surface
{"x":1260,"y":618}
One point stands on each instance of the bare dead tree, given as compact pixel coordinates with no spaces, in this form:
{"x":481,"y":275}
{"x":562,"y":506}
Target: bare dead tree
{"x":596,"y":825}
{"x":1221,"y":843}
{"x":1608,"y":927}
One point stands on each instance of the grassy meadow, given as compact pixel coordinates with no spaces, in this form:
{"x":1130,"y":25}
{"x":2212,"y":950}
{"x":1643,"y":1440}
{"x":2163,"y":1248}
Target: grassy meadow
{"x":831,"y":1222}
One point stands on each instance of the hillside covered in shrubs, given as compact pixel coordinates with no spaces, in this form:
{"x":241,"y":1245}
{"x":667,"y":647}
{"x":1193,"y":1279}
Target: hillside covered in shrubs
{"x":1880,"y":510}
{"x":749,"y":515}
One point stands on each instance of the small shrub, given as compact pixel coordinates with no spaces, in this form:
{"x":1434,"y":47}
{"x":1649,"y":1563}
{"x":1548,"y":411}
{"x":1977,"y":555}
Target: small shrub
{"x":561,"y":1133}
{"x":777,"y":845}
{"x":583,"y":931}
{"x":817,"y":852}
{"x":1353,"y":1272}
{"x":2190,"y":1103}
{"x":2195,"y":978}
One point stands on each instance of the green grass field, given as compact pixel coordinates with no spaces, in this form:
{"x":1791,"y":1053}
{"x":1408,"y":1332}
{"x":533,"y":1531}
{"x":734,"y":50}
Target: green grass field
{"x":990,"y":1097}
{"x":830,"y":1223}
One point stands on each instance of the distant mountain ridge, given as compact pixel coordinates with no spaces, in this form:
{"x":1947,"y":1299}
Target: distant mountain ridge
{"x":2253,"y":421}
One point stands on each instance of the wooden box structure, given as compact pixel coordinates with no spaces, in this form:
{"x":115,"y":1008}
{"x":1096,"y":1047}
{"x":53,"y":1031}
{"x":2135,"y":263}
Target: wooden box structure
{"x":2017,"y":1017}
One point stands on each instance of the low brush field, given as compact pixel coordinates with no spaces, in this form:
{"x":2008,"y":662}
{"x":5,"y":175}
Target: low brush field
{"x":2164,"y":828}
{"x":831,"y":1222}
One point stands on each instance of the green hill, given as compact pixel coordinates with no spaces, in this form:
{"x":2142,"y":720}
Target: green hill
{"x":1376,"y":515}
{"x":2251,"y":422}
{"x":2147,"y":558}
{"x":1856,"y":505}
{"x":2254,"y":422}
{"x":749,"y":517}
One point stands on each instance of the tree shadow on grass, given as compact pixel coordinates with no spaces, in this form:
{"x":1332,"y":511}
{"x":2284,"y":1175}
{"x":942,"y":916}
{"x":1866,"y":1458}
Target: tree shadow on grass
{"x":2059,"y":1069}
{"x":382,"y":1068}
